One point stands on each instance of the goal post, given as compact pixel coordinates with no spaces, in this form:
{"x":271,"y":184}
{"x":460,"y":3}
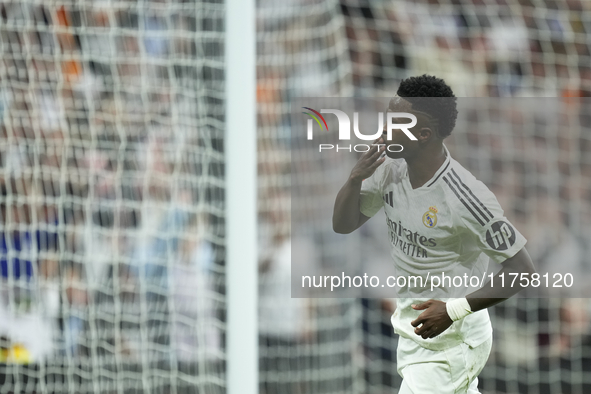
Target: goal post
{"x":112,"y":191}
{"x":241,"y":211}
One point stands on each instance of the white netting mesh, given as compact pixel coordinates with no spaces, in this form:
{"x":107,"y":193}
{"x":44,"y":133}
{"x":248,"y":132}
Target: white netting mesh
{"x":112,"y":197}
{"x":516,"y":48}
{"x":112,"y":187}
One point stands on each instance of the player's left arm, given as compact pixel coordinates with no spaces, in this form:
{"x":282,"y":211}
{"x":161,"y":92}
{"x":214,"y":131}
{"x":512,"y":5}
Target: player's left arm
{"x":488,"y":295}
{"x":482,"y":219}
{"x":436,"y":318}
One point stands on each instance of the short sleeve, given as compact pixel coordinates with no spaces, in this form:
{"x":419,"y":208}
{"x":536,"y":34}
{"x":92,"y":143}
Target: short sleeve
{"x":371,"y":193}
{"x":483,"y":216}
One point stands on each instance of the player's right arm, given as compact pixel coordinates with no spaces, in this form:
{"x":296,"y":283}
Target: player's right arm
{"x":347,"y":216}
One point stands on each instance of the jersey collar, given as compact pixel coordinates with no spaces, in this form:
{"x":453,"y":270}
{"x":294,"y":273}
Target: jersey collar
{"x":442,"y":169}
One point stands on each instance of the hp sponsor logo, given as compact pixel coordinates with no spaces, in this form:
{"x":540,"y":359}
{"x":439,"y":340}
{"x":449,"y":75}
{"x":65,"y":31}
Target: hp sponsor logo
{"x":500,"y":236}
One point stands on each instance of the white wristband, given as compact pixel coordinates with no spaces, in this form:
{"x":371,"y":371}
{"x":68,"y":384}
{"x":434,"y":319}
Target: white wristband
{"x":458,"y":308}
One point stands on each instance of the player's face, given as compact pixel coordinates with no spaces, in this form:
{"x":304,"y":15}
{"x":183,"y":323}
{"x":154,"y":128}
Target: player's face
{"x":410,"y":147}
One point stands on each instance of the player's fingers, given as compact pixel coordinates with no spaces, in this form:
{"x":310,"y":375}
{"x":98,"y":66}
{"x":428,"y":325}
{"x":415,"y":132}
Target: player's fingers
{"x":377,"y":163}
{"x":422,"y":305}
{"x":375,"y":151}
{"x":372,"y":151}
{"x":376,"y":155}
{"x":424,"y":331}
{"x":370,"y":157}
{"x":417,"y":322}
{"x":378,"y":143}
{"x":380,"y":150}
{"x":435,"y":332}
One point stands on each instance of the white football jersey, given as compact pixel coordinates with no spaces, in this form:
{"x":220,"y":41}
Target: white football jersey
{"x":450,"y":225}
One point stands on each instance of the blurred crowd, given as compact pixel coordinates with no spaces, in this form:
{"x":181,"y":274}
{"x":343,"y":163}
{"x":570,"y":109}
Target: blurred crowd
{"x":532,"y":153}
{"x":111,"y":228}
{"x":111,"y":206}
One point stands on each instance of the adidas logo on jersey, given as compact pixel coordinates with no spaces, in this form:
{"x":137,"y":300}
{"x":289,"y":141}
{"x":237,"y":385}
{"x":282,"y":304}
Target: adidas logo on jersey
{"x":388,"y":198}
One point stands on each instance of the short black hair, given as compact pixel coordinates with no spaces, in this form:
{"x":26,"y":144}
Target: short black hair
{"x":442,"y":103}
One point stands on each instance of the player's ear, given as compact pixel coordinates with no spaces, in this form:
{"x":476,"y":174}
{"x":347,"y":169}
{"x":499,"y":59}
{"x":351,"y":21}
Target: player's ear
{"x":424,"y":134}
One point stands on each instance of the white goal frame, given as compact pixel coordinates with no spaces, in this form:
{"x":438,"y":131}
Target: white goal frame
{"x":241,"y":210}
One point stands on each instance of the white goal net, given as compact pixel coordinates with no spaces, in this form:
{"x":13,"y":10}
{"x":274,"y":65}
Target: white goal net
{"x":112,"y":214}
{"x":540,"y":174}
{"x":112,"y":177}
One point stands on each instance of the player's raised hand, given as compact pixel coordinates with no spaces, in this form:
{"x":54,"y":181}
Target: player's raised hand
{"x":369,"y":161}
{"x":433,"y":321}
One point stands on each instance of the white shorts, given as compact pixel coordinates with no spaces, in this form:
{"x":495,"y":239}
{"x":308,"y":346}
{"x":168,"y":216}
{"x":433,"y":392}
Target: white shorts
{"x":450,"y":371}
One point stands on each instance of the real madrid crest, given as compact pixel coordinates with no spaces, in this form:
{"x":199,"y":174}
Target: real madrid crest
{"x":430,"y":217}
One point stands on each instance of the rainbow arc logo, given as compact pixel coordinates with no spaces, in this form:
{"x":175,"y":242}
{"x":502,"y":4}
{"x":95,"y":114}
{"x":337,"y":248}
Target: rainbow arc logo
{"x":316,"y":118}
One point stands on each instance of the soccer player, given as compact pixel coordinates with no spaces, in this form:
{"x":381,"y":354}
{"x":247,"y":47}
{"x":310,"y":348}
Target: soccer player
{"x":440,"y":219}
